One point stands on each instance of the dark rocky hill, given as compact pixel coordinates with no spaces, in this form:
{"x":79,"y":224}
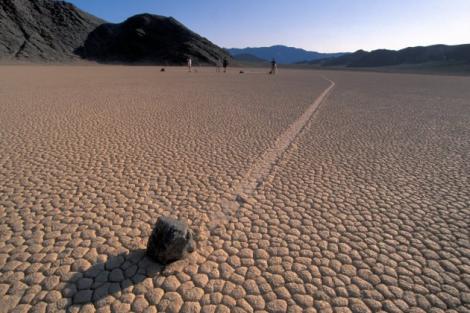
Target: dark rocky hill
{"x":413,"y":55}
{"x":148,"y":38}
{"x":42,"y":30}
{"x":57,"y":31}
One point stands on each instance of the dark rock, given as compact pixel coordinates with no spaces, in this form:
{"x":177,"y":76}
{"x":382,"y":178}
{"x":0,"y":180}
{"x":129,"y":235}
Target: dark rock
{"x":42,"y":30}
{"x":150,"y":39}
{"x":170,"y":240}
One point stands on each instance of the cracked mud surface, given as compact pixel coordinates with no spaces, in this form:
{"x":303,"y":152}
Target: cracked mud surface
{"x":366,"y":210}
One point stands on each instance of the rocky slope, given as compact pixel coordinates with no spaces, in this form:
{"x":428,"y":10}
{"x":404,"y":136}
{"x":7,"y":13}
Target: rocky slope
{"x":148,"y":38}
{"x":42,"y":30}
{"x":57,"y":31}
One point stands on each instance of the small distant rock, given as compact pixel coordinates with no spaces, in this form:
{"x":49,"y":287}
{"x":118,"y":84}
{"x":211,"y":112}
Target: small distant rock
{"x":162,"y":70}
{"x":170,"y":240}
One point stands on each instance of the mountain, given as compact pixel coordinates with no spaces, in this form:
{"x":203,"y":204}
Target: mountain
{"x":245,"y":57}
{"x":283,"y":54}
{"x":42,"y":30}
{"x":147,"y":38}
{"x":441,"y":54}
{"x":57,"y":31}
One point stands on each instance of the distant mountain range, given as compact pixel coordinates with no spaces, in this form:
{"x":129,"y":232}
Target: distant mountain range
{"x":282,"y":54}
{"x":249,"y":58}
{"x":414,"y":55}
{"x":57,"y":31}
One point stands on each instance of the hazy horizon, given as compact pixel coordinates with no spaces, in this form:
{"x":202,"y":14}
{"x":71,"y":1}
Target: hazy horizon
{"x":324,"y":26}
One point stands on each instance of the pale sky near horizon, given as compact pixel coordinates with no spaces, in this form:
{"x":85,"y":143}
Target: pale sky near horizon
{"x":318,"y":25}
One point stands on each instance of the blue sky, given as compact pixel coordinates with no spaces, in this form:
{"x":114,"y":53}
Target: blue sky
{"x":320,"y":25}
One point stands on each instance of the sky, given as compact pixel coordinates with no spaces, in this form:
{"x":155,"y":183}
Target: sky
{"x":318,"y":25}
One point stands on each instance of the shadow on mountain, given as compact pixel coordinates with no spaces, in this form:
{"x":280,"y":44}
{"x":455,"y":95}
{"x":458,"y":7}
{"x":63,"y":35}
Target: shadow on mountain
{"x":102,"y":279}
{"x":149,"y":39}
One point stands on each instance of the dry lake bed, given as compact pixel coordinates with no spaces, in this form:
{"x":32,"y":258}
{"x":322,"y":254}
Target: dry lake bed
{"x":307,"y":191}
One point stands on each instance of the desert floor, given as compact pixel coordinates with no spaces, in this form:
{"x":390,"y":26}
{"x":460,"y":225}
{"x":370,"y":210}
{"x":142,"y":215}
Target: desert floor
{"x":357,"y":203}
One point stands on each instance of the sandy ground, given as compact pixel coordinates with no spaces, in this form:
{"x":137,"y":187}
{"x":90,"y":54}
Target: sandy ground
{"x":357,"y":203}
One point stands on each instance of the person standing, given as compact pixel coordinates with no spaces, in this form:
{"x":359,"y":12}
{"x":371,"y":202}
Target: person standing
{"x":273,"y":67}
{"x":225,"y":64}
{"x":190,"y":64}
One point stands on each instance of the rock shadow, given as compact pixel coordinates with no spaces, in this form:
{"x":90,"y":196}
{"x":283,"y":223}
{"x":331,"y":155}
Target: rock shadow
{"x":102,"y":279}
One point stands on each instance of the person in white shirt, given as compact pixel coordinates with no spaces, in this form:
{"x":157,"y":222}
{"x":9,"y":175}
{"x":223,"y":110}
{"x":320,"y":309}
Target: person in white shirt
{"x":190,"y":64}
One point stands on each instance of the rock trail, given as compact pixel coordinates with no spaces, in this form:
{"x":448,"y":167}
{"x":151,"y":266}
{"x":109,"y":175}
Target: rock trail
{"x":258,"y":172}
